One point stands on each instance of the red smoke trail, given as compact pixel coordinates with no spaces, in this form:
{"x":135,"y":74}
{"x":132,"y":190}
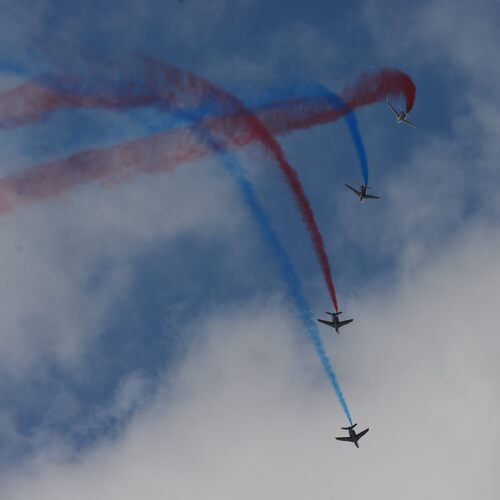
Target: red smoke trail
{"x":110,"y":165}
{"x":183,"y":92}
{"x":386,"y":82}
{"x":30,"y":102}
{"x":178,"y":84}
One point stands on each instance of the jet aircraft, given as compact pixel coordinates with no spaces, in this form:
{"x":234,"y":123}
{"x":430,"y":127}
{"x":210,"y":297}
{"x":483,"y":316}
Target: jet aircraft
{"x":335,"y":322}
{"x":353,"y":437}
{"x":362,"y":193}
{"x":400,"y":115}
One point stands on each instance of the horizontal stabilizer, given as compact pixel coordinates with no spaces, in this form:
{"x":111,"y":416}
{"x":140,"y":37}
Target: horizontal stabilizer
{"x":349,"y":428}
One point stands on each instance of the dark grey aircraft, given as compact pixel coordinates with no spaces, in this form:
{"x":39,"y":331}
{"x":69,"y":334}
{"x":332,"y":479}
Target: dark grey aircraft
{"x":353,"y":437}
{"x":400,"y":115}
{"x":335,"y":322}
{"x":362,"y":193}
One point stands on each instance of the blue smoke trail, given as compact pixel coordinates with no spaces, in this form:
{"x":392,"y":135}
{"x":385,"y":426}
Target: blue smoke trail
{"x":288,"y":272}
{"x":315,"y":91}
{"x":234,"y":169}
{"x":352,"y":124}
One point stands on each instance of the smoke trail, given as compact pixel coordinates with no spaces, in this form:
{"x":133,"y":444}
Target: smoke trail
{"x":337,"y":103}
{"x":187,"y":89}
{"x":246,"y":189}
{"x":290,"y":277}
{"x":386,"y":82}
{"x":184,"y":94}
{"x":175,"y":88}
{"x":161,"y":152}
{"x":90,"y":165}
{"x":32,"y":101}
{"x":150,"y":155}
{"x":352,"y":124}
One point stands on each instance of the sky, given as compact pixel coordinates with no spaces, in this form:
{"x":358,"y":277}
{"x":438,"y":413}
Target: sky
{"x":150,"y":346}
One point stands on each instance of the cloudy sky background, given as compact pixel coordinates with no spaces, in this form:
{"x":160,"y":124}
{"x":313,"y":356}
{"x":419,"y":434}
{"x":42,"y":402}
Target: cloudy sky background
{"x":148,"y":346}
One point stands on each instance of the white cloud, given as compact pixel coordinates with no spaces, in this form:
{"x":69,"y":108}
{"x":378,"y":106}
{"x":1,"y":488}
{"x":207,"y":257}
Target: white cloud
{"x":64,"y":263}
{"x":459,"y":35}
{"x":249,"y":414}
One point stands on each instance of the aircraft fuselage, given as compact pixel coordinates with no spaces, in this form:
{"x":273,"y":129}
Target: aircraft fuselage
{"x":354,"y":437}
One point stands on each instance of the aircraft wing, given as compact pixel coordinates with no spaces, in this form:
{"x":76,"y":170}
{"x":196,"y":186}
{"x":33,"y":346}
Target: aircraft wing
{"x":362,"y":433}
{"x":345,"y":439}
{"x":392,"y":108}
{"x":371,"y":197}
{"x":325,"y":322}
{"x":353,"y":190}
{"x":345,"y":322}
{"x":408,"y":122}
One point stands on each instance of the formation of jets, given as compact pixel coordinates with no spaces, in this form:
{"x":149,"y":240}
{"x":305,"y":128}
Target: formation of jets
{"x":335,"y":322}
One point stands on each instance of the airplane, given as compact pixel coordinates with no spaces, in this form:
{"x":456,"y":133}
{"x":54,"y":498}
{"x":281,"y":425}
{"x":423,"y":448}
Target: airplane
{"x":401,"y":116}
{"x":335,"y":322}
{"x":353,"y":437}
{"x":362,"y":193}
